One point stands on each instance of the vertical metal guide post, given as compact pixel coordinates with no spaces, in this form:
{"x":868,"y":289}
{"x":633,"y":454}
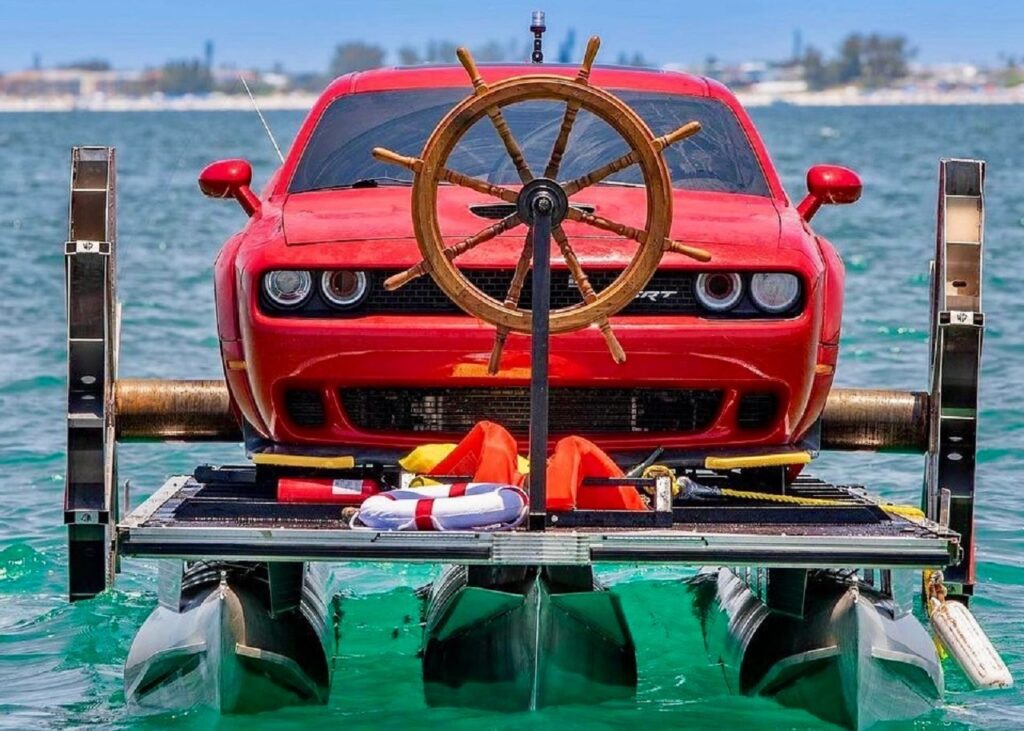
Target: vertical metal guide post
{"x":90,"y":499}
{"x":957,"y":327}
{"x":539,"y":341}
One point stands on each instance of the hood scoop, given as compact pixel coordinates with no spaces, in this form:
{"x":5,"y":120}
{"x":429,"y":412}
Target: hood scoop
{"x":497,"y":211}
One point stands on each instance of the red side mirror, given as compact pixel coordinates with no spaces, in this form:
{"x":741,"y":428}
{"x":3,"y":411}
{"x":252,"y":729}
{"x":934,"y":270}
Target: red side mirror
{"x":230,"y":179}
{"x":829,"y":184}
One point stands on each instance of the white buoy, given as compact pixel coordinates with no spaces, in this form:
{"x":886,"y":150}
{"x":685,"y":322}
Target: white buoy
{"x":967,"y":642}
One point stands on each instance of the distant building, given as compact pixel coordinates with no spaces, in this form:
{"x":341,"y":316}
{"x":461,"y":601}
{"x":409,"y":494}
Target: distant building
{"x":73,"y":82}
{"x":769,"y":77}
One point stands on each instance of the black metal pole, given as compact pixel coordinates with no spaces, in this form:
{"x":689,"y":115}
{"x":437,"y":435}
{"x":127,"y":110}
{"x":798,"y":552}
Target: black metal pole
{"x":543,"y":206}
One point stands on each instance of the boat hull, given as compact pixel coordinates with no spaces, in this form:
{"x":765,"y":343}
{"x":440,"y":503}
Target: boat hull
{"x":224,"y":649}
{"x":518,"y":638}
{"x":851,"y":657}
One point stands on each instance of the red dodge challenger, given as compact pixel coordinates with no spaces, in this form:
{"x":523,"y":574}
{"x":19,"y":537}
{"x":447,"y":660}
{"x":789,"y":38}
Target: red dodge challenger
{"x":734,"y":354}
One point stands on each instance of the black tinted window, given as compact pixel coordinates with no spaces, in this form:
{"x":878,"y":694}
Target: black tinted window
{"x":719,"y":158}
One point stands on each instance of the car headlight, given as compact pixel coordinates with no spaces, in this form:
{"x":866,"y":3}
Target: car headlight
{"x":774,"y":292}
{"x":343,"y":288}
{"x":719,"y":291}
{"x":287,"y":287}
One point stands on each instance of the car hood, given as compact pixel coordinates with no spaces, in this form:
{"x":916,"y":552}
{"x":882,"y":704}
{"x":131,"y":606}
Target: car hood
{"x":347,"y":217}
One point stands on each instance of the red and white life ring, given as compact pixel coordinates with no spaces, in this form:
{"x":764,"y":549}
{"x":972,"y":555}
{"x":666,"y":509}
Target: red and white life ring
{"x":462,"y":506}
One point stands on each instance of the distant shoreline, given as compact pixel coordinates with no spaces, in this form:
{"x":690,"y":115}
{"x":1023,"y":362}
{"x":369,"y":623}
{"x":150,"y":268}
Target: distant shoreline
{"x":854,"y":97}
{"x":846,"y":97}
{"x":158,"y":103}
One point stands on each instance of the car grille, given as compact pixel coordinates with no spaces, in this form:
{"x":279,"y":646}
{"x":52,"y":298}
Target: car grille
{"x":305,"y":407}
{"x":668,"y":293}
{"x":572,"y":410}
{"x":757,"y":410}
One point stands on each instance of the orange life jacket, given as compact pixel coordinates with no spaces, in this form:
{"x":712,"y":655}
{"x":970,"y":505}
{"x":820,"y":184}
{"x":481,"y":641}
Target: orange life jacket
{"x":489,"y":453}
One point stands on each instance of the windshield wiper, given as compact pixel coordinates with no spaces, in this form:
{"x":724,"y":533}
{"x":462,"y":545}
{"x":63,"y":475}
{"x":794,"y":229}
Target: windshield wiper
{"x":621,"y":184}
{"x":378,"y":182}
{"x":364,"y":183}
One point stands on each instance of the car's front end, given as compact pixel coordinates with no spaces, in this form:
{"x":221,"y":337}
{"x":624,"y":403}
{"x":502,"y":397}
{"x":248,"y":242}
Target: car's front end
{"x":727,"y":354}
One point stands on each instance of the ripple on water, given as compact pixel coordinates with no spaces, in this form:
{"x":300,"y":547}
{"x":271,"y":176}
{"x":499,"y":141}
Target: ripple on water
{"x":22,"y":568}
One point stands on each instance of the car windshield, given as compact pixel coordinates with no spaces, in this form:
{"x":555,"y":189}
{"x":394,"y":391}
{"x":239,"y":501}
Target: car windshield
{"x":718,"y":158}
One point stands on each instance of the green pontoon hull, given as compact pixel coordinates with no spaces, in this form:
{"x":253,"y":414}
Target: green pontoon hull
{"x":849,"y":656}
{"x":222,"y":647}
{"x":518,"y":638}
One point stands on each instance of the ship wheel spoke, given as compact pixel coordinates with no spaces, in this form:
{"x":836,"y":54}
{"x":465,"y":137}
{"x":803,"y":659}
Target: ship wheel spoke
{"x":587,"y":292}
{"x":480,"y":186}
{"x":496,"y":117}
{"x":451,"y":252}
{"x":572,"y":108}
{"x":606,"y":224}
{"x":454,"y":177}
{"x":515,"y":290}
{"x":630,"y":158}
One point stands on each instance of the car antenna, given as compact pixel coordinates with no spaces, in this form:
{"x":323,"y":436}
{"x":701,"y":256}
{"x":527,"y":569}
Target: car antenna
{"x":262,"y":119}
{"x":537,"y":27}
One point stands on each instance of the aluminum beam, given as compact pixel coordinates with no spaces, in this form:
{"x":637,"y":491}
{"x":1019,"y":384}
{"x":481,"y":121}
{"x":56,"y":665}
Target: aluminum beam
{"x":957,"y":328}
{"x":90,"y":497}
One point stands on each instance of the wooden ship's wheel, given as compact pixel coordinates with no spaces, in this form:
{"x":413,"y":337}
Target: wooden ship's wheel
{"x":430,"y":169}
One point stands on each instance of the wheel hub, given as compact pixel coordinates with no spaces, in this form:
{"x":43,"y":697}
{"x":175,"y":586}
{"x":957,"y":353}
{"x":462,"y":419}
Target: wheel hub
{"x":541,"y":193}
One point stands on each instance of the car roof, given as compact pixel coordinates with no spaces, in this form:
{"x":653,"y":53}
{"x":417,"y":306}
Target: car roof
{"x":618,"y":77}
{"x":454,"y":76}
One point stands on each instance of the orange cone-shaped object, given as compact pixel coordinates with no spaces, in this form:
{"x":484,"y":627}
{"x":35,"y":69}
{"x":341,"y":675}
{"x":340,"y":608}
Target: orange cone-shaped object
{"x":576,"y":459}
{"x":489,"y":454}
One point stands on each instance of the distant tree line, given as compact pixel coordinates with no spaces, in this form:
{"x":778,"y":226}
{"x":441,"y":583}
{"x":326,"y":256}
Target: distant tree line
{"x":359,"y":56}
{"x":194,"y":75}
{"x":190,"y":76}
{"x":873,"y":60}
{"x":87,"y":64}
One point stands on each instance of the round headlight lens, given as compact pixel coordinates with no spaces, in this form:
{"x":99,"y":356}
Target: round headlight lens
{"x":719,"y":291}
{"x":774,"y":292}
{"x":288,"y":287}
{"x":344,"y":288}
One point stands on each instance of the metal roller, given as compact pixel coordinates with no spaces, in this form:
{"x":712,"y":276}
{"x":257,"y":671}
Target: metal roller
{"x":199,"y":411}
{"x":875,"y":419}
{"x":189,"y":411}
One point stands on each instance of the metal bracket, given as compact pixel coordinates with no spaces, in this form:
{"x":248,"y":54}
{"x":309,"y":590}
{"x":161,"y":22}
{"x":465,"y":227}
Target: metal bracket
{"x":786,"y":591}
{"x":170,"y":572}
{"x":285,"y":580}
{"x":957,"y":329}
{"x":90,"y":495}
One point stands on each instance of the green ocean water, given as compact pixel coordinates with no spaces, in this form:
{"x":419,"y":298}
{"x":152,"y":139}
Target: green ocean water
{"x":60,"y":664}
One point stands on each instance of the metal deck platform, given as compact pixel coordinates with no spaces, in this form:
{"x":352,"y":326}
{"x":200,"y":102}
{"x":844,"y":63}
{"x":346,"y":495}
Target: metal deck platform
{"x":189,"y":519}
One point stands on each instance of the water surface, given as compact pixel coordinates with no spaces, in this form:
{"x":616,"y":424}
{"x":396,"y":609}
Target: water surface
{"x":60,"y":664}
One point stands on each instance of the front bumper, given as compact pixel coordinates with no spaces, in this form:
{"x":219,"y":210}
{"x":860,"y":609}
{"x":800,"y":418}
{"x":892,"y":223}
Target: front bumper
{"x":328,"y":356}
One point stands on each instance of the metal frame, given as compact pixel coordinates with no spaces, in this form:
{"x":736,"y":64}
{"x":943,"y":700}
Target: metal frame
{"x":957,"y":329}
{"x":146,"y":532}
{"x":90,"y":495}
{"x":91,"y":501}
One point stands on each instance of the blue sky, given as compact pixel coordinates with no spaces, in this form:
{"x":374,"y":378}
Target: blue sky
{"x":300,"y":34}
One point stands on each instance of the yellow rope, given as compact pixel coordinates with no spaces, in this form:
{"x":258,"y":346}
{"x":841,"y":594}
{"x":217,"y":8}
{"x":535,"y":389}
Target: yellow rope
{"x":789,"y":499}
{"x":905,"y":511}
